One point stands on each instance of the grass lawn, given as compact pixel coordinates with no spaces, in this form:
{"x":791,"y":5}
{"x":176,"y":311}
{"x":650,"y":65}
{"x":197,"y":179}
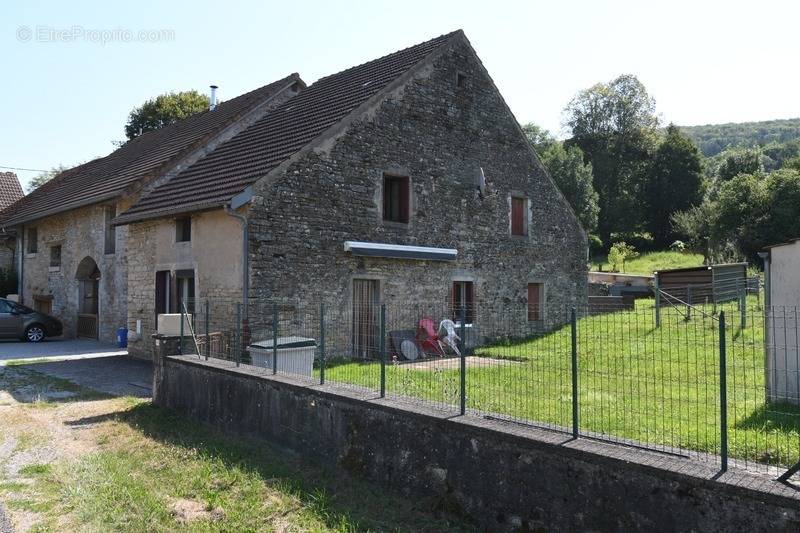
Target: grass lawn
{"x":649,"y":262}
{"x":71,"y":460}
{"x":658,"y":386}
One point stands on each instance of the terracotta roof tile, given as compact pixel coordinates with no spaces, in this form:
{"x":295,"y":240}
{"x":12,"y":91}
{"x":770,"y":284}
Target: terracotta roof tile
{"x":143,"y":157}
{"x":239,"y":162}
{"x":10,"y":189}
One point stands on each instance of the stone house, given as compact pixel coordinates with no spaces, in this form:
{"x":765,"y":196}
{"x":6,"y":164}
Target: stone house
{"x":73,"y":262}
{"x":10,"y":192}
{"x":402,"y":180}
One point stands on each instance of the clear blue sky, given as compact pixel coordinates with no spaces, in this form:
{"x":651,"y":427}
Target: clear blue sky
{"x":64,"y":102}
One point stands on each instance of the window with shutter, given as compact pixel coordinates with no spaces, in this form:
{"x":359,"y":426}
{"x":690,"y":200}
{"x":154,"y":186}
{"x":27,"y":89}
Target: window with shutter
{"x":534,"y":301}
{"x":518,"y":216}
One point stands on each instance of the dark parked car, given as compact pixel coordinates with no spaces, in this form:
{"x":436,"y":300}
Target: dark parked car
{"x":20,"y":322}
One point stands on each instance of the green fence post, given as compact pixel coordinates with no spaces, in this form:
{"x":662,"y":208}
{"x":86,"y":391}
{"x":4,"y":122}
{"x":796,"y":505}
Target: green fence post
{"x":743,"y":304}
{"x":723,"y":394}
{"x":238,"y":335}
{"x":382,"y":348}
{"x":208,"y":338}
{"x":180,"y":344}
{"x":463,"y":359}
{"x":322,"y":344}
{"x":688,"y":302}
{"x":657,"y":290}
{"x":574,"y":329}
{"x":274,"y":339}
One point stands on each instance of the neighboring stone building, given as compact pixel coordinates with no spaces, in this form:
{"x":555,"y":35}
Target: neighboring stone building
{"x":10,"y":192}
{"x":72,"y":262}
{"x":403,"y":180}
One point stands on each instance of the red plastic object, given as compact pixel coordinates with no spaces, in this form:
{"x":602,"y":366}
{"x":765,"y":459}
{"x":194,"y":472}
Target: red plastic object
{"x":428,"y":337}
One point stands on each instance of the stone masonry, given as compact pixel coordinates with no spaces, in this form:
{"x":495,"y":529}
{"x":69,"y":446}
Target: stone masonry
{"x":80,"y":233}
{"x":439,"y":134}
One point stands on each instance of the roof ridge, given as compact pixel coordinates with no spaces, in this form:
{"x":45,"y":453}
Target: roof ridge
{"x":443,"y":37}
{"x":287,"y":130}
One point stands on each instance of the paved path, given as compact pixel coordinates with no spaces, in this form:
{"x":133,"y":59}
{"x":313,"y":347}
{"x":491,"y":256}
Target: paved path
{"x":57,"y":349}
{"x":95,"y":365}
{"x":117,"y":375}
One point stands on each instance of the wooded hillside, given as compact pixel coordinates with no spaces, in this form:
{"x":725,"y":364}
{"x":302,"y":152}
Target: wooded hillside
{"x":714,"y":138}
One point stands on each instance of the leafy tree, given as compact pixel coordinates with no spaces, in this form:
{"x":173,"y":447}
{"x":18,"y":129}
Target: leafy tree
{"x":614,"y":124}
{"x":44,"y":177}
{"x":739,"y":161}
{"x":741,"y":205}
{"x":695,"y":225}
{"x":572,"y":176}
{"x":676,"y":183}
{"x":164,"y":110}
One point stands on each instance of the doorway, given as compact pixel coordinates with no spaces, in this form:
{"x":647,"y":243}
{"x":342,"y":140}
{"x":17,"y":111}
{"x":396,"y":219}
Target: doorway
{"x":88,"y":277}
{"x":366,"y":297}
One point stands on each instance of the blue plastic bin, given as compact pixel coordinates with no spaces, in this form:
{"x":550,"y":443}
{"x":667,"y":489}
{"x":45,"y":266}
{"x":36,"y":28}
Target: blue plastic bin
{"x":122,"y":337}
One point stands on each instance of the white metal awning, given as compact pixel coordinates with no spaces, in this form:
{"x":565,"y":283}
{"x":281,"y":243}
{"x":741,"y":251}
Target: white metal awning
{"x":399,"y":251}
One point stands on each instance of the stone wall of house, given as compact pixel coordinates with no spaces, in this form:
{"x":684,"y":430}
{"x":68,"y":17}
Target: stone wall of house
{"x":440,"y":135}
{"x":215,"y":255}
{"x":81,"y":234}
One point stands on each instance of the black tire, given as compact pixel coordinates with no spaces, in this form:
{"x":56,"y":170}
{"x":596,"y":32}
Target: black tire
{"x":35,"y":333}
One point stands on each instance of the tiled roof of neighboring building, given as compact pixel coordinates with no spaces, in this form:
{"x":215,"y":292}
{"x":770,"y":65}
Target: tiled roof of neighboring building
{"x":10,"y":189}
{"x":236,"y":164}
{"x":143,"y":157}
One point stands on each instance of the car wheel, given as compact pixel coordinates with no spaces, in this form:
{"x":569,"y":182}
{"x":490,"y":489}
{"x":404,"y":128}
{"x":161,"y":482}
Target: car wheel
{"x":34,"y":333}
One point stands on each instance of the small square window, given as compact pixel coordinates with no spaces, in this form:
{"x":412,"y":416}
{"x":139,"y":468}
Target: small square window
{"x":461,"y":80}
{"x":396,"y":194}
{"x":519,"y":216}
{"x":183,"y":229}
{"x":55,"y":256}
{"x":33,"y":241}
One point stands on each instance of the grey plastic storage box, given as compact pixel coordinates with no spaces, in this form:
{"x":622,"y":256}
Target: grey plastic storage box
{"x":295,"y":355}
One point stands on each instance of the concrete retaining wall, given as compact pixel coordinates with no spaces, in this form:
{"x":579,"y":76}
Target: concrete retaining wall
{"x":503,"y":476}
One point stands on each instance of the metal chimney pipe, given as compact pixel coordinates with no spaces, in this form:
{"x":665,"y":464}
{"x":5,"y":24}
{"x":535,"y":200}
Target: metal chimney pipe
{"x":213,"y":104}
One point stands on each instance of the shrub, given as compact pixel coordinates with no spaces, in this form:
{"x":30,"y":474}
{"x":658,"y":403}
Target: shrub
{"x":8,"y":282}
{"x":595,"y":244}
{"x":678,"y":246}
{"x":619,"y":253}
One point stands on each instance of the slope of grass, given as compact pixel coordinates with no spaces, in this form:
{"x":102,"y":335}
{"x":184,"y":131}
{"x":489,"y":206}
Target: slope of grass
{"x":658,"y":386}
{"x":135,"y":466}
{"x":650,"y":262}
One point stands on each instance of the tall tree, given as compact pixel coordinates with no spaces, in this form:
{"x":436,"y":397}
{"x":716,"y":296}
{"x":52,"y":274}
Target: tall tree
{"x":615,"y":124}
{"x":737,"y":161}
{"x":676,"y":183}
{"x":569,"y":171}
{"x":163,"y":110}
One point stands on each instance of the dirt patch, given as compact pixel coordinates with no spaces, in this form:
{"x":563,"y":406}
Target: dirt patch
{"x":454,"y":363}
{"x":187,"y":511}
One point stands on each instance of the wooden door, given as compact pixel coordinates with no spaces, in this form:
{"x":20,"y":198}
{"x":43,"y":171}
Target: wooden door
{"x":365,"y":318}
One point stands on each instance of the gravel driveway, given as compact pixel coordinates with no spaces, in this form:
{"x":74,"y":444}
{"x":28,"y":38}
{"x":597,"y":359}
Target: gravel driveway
{"x":5,"y":525}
